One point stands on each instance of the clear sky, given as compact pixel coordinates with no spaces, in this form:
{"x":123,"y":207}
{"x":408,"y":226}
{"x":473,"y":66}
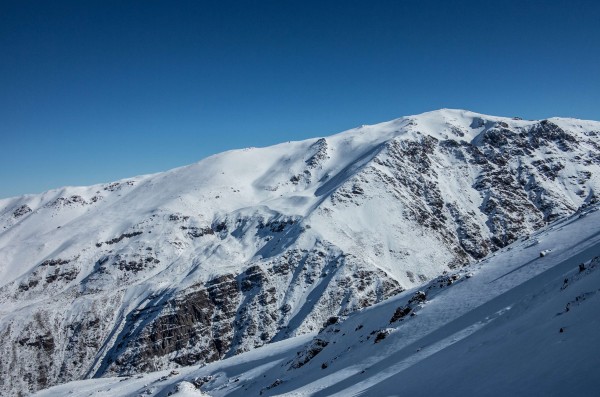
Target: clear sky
{"x":94,"y":91}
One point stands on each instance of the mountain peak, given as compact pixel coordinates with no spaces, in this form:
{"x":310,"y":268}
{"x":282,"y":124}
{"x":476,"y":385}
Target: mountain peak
{"x":253,"y":246}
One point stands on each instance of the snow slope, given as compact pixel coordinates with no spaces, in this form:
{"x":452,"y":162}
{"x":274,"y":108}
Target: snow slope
{"x":514,"y":323}
{"x":255,"y":246}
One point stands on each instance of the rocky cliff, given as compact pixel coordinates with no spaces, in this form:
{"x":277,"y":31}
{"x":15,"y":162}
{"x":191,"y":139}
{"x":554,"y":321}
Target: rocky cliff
{"x":257,"y":245}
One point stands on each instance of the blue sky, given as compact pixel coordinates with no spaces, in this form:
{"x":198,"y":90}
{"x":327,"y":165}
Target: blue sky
{"x":94,"y":91}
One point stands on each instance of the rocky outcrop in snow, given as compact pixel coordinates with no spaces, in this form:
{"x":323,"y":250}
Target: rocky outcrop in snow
{"x":253,"y":246}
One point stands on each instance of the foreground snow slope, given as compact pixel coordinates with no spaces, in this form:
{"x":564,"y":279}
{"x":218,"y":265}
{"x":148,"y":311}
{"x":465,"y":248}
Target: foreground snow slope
{"x":254,"y":246}
{"x":514,"y":323}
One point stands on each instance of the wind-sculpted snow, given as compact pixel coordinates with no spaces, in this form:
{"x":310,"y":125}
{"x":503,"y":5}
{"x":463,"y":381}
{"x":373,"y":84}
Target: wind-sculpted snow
{"x":258,"y":245}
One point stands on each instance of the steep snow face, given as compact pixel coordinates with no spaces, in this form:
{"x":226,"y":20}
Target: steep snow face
{"x":257,"y":245}
{"x":514,"y":323}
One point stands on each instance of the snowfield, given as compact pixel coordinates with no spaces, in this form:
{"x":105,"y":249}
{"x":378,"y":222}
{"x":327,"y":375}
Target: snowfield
{"x":514,"y":323}
{"x":259,"y":247}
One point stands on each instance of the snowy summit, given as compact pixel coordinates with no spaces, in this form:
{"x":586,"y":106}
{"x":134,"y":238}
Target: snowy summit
{"x":283,"y":255}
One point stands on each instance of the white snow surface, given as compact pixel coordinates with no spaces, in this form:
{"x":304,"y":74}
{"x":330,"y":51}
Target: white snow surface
{"x":512,"y":324}
{"x":251,"y":181}
{"x":350,"y":203}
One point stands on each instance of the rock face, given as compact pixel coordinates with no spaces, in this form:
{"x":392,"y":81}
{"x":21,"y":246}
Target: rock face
{"x":253,"y":246}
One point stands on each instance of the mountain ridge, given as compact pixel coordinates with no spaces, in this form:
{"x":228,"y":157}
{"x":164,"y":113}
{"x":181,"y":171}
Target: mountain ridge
{"x":257,"y":245}
{"x":451,"y":111}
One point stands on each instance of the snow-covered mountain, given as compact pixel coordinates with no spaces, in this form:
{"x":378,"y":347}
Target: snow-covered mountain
{"x":514,"y":324}
{"x":255,"y":246}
